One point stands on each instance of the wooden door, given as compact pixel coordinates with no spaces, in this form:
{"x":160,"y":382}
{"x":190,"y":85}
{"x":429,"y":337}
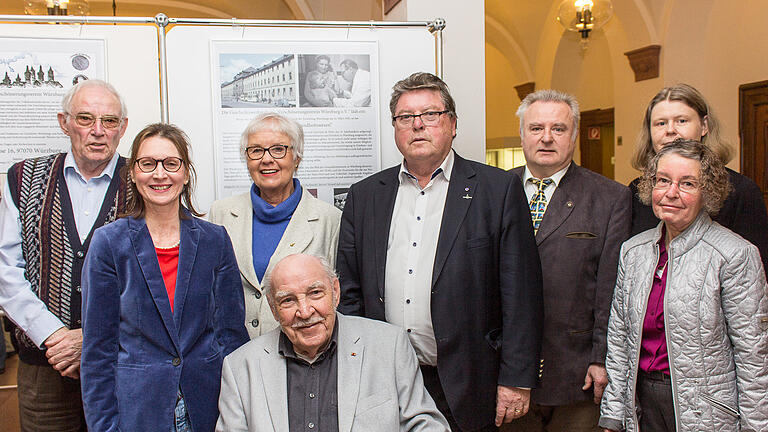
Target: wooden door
{"x":753,"y":131}
{"x":596,"y":134}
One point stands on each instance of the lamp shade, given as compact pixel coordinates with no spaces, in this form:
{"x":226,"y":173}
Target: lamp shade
{"x":584,"y":15}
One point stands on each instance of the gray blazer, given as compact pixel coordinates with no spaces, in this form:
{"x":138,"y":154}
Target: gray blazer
{"x":313,"y":229}
{"x":380,"y":387}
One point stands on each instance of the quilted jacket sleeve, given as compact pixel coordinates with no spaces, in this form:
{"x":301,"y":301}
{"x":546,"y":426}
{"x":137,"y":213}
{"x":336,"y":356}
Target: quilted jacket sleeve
{"x":617,"y":360}
{"x":745,"y":306}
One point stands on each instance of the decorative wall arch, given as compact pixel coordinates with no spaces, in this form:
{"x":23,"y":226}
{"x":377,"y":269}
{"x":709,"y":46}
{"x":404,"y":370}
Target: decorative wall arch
{"x":498,"y":36}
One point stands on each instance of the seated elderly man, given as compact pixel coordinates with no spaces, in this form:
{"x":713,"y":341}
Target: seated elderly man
{"x":322,"y":370}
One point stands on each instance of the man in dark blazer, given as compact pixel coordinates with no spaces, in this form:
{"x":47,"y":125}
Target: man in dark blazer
{"x":583,"y":218}
{"x":443,"y":247}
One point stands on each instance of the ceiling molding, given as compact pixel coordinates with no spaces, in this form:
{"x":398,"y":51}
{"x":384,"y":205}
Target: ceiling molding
{"x":510,"y":40}
{"x":300,"y":9}
{"x":647,"y":20}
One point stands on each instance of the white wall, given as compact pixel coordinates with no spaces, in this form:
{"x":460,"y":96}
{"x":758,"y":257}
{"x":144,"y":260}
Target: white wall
{"x":463,"y":63}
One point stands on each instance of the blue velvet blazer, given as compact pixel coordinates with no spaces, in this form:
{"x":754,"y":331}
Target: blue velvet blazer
{"x":136,"y":352}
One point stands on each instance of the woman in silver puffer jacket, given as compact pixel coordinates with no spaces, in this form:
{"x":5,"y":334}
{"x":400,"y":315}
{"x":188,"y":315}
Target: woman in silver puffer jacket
{"x":688,"y":332}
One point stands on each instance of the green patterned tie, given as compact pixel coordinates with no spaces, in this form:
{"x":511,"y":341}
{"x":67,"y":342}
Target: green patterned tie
{"x":538,"y":202}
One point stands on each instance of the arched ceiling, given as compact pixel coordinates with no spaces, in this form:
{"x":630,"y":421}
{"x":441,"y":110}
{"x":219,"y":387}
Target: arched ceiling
{"x":526,"y":32}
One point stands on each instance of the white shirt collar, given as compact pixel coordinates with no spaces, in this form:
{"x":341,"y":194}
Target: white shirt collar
{"x":556,"y":177}
{"x":445,"y":168}
{"x":109,"y":170}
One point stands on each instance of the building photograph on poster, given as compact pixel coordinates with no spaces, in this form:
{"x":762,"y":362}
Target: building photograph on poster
{"x":34,"y":75}
{"x":329,"y":88}
{"x":257,"y":80}
{"x":337,"y":80}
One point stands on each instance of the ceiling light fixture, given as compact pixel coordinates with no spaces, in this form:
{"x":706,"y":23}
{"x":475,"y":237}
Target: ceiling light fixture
{"x":583,"y":16}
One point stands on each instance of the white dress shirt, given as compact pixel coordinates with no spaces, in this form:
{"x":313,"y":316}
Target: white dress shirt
{"x":18,"y":300}
{"x":411,"y":248}
{"x":531,"y":189}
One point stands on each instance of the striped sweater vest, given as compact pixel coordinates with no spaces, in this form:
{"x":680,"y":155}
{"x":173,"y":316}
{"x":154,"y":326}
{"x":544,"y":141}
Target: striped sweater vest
{"x":50,"y":243}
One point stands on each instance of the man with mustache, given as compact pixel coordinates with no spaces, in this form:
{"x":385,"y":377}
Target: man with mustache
{"x":444,"y":248}
{"x":50,"y":207}
{"x":322,"y":370}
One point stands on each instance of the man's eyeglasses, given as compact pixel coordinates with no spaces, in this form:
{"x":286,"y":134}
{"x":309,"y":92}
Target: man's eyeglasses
{"x":276,"y":151}
{"x":107,"y":121}
{"x":429,"y":118}
{"x":685,"y":185}
{"x":170,"y":164}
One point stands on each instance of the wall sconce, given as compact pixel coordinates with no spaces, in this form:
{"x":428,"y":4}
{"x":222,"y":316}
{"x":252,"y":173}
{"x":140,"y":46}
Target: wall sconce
{"x":583,"y":16}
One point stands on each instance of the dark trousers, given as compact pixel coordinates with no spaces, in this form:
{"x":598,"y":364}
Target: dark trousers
{"x":579,"y":417}
{"x":49,"y":402}
{"x":435,"y":389}
{"x":654,"y":396}
{"x":2,"y":348}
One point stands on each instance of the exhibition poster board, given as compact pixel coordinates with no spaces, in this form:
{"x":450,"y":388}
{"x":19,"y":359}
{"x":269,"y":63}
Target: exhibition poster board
{"x":219,"y":78}
{"x":123,"y":55}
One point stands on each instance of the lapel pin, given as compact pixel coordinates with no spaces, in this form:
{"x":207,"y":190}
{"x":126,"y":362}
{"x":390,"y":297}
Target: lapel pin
{"x":354,"y":354}
{"x":293,"y":244}
{"x":569,"y":204}
{"x":466,"y":189}
{"x":467,"y":196}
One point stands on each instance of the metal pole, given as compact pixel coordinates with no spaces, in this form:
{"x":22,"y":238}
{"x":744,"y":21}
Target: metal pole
{"x":293,"y":23}
{"x":71,"y":19}
{"x":436,"y":27}
{"x":161,"y":20}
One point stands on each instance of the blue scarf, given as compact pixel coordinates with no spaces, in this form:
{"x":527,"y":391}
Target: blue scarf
{"x":269,"y":224}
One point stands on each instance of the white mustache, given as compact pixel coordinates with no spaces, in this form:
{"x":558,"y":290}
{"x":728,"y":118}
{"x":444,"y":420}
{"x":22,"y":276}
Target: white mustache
{"x":307,"y":322}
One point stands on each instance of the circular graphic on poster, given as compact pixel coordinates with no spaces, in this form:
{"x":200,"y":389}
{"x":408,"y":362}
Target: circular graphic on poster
{"x":80,"y":62}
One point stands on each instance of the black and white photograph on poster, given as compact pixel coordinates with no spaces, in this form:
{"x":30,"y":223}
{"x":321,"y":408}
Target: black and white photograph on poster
{"x":340,"y":124}
{"x":257,"y":80}
{"x":35,"y":73}
{"x":336,"y":80}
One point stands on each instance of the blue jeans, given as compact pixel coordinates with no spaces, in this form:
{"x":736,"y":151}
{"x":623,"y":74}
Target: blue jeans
{"x":180,"y":416}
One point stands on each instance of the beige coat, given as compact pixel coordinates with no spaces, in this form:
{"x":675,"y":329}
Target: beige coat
{"x":313,"y":229}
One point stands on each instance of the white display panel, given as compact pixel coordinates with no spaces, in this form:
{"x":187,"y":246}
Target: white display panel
{"x":401,"y":51}
{"x":131,"y":65}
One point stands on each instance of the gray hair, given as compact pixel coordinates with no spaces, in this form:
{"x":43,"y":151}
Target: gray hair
{"x":550,"y":95}
{"x":66,"y":102}
{"x":422,"y":81}
{"x":275,"y":122}
{"x":330,"y":273}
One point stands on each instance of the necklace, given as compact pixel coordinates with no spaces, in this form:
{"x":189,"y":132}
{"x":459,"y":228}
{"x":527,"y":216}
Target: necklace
{"x":178,"y":242}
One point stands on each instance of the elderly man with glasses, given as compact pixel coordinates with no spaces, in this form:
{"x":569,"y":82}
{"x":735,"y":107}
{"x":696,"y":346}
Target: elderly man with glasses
{"x":51,"y":206}
{"x":444,"y":248}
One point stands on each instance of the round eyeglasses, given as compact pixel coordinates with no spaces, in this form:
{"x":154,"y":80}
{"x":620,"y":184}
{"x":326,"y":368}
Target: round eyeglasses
{"x":277,"y":151}
{"x":683,"y":185}
{"x":170,"y":164}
